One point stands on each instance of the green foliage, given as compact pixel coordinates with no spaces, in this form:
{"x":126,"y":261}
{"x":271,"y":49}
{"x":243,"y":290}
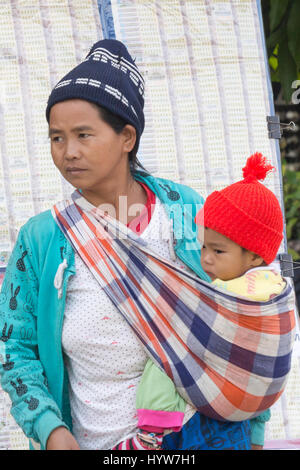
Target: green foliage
{"x":282,"y":31}
{"x":291,"y":191}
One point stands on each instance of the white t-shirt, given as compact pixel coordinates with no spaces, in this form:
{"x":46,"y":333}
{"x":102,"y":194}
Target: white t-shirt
{"x":104,"y":357}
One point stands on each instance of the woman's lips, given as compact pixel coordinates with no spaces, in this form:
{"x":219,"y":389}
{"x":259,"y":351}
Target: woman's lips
{"x":75,"y":170}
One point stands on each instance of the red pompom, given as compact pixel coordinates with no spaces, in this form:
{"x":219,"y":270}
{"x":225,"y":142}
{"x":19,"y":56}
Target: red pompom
{"x":256,"y":167}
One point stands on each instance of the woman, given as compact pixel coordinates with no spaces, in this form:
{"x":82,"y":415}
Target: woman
{"x":71,"y":362}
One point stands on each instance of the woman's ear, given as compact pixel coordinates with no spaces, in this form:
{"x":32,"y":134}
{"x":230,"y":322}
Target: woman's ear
{"x":129,"y":134}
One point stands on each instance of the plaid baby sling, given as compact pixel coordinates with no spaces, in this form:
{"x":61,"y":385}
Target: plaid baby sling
{"x":228,"y":357}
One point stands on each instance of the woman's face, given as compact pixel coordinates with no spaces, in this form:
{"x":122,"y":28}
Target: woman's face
{"x":86,"y":150}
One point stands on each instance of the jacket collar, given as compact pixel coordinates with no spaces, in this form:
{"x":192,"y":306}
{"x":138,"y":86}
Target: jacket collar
{"x":182,"y":213}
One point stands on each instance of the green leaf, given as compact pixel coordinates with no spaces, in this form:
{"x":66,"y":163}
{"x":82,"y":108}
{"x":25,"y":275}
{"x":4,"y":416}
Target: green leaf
{"x":294,"y":254}
{"x":294,"y":210}
{"x":277,"y":11}
{"x":287,"y":70}
{"x":273,"y":61}
{"x":293,"y":32}
{"x":265,"y":6}
{"x":275,"y":38}
{"x":291,"y":177}
{"x":290,"y":226}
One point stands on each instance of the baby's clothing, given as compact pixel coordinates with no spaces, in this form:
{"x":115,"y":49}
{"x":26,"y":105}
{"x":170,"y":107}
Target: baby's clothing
{"x":260,"y":284}
{"x":159,"y":405}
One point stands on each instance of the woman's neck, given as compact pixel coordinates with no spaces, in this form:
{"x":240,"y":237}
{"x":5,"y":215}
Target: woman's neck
{"x":122,"y":200}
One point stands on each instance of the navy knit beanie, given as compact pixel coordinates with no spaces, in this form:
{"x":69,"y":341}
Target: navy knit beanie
{"x":107,"y":77}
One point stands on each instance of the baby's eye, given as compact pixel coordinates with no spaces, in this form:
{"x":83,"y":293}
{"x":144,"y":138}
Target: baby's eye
{"x":219,"y":252}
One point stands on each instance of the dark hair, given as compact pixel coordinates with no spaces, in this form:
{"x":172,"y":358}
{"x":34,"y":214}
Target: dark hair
{"x":117,"y":123}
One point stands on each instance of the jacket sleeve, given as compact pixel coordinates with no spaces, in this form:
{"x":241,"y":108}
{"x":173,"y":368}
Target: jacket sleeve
{"x":22,"y":375}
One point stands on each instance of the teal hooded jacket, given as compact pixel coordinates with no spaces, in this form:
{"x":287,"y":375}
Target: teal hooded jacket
{"x":32,"y":303}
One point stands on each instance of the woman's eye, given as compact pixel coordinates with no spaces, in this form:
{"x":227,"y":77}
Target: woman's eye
{"x":56,"y":138}
{"x":83,"y":136}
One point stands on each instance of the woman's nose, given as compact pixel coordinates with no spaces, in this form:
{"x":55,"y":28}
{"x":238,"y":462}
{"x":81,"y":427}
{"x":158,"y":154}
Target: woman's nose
{"x":71,"y":150}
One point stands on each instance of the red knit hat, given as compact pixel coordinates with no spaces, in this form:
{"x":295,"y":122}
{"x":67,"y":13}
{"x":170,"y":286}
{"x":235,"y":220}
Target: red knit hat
{"x":247,"y":212}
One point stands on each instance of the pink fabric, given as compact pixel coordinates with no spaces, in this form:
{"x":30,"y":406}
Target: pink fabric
{"x":282,"y":444}
{"x":158,"y":421}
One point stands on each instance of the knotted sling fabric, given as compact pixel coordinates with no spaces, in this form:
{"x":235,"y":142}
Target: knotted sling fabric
{"x":229,"y":357}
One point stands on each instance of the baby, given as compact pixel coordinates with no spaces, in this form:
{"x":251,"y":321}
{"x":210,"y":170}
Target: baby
{"x":240,"y":230}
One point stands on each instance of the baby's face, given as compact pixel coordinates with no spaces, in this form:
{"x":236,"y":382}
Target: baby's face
{"x":221,"y":258}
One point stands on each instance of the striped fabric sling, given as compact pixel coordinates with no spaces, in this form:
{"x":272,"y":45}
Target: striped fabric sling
{"x":229,"y":357}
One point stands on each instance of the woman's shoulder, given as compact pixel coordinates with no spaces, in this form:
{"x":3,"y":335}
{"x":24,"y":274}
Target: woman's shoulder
{"x":41,"y":225}
{"x":41,"y":239}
